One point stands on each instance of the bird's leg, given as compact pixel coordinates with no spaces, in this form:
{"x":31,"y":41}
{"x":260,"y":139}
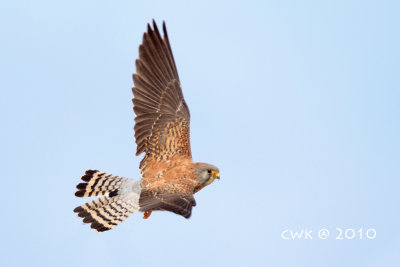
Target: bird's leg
{"x":147,"y":214}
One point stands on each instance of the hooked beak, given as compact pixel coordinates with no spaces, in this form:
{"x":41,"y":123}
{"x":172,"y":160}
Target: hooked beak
{"x":216,"y":175}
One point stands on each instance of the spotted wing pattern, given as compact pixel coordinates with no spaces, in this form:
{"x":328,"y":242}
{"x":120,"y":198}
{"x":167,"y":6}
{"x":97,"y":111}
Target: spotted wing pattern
{"x":162,"y":116}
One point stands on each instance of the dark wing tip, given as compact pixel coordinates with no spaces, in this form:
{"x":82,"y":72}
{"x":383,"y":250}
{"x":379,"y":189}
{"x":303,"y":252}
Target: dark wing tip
{"x":154,"y":24}
{"x":151,"y":29}
{"x":164,"y":27}
{"x":155,"y":28}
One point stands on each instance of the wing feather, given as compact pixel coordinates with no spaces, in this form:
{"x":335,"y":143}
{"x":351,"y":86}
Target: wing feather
{"x":162,"y":117}
{"x":180,"y":204}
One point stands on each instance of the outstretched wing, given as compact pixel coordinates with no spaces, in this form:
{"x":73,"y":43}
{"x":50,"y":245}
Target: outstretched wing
{"x":162,"y":116}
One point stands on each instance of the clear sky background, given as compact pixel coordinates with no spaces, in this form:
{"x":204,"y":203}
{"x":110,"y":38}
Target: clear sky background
{"x":297,"y":103}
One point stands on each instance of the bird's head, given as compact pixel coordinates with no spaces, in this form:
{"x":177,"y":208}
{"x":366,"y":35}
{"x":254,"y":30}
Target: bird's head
{"x":206,"y":174}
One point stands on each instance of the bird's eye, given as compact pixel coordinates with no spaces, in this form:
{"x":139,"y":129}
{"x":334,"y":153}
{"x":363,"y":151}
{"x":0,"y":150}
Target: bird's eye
{"x":209,"y":171}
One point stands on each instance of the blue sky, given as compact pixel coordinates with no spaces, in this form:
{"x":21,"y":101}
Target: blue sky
{"x":296,"y":102}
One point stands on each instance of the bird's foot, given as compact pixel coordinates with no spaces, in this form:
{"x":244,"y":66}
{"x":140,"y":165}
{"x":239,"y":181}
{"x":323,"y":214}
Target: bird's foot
{"x":147,"y":214}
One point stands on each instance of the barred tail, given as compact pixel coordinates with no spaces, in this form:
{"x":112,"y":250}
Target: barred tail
{"x":99,"y":184}
{"x":119,"y":199}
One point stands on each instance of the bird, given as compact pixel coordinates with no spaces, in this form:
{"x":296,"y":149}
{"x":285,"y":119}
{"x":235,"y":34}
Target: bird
{"x":169,"y":176}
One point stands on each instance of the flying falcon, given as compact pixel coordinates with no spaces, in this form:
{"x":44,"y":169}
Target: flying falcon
{"x":170,"y":178}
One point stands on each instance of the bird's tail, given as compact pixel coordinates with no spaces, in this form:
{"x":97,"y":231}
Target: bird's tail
{"x":119,"y":199}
